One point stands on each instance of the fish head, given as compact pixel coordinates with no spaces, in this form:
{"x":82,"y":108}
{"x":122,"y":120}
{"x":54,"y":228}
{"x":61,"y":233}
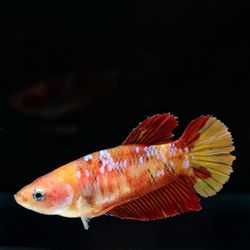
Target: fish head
{"x":49,"y":194}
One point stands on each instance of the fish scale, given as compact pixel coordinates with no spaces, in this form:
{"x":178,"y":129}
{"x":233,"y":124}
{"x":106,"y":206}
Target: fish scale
{"x":135,"y":175}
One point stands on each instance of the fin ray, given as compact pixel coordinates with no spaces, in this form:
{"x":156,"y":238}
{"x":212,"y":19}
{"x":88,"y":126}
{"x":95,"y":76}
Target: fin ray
{"x":154,"y":130}
{"x":85,"y":222}
{"x":210,"y":154}
{"x":175,"y":198}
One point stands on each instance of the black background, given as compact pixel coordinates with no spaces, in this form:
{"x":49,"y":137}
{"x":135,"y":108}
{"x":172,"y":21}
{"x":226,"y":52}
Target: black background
{"x":184,"y":57}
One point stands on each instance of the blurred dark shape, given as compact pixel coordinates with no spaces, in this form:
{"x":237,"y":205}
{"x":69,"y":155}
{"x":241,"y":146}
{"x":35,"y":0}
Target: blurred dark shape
{"x":61,"y":95}
{"x":59,"y":129}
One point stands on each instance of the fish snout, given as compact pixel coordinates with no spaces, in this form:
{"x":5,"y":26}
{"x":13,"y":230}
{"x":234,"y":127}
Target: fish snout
{"x":20,"y":198}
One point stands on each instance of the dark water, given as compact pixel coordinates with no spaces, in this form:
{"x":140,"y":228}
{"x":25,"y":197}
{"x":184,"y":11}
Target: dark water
{"x":136,"y":58}
{"x":222,"y":224}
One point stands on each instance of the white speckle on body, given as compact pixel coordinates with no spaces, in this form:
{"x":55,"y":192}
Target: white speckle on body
{"x":104,"y":162}
{"x":141,"y":159}
{"x":110,"y":167}
{"x":171,"y":163}
{"x":107,"y":160}
{"x":87,"y":172}
{"x":186,"y":150}
{"x":68,"y":187}
{"x":102,"y":170}
{"x":172,"y":150}
{"x":111,"y":161}
{"x":151,"y":150}
{"x":137,"y":150}
{"x":125,"y":163}
{"x":88,"y":157}
{"x":78,"y":174}
{"x":160,"y":173}
{"x":185,"y":163}
{"x":104,"y":154}
{"x":157,"y":154}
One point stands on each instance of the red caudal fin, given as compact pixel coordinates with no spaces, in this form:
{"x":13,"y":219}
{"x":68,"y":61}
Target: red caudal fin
{"x":156,"y":129}
{"x":210,"y":145}
{"x":175,"y":198}
{"x":191,"y":134}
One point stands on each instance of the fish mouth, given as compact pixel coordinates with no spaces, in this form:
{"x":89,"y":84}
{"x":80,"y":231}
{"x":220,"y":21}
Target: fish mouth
{"x":22,"y":201}
{"x":19,"y":199}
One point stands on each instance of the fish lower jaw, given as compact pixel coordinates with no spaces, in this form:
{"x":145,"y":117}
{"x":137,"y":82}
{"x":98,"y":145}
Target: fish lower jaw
{"x":35,"y":210}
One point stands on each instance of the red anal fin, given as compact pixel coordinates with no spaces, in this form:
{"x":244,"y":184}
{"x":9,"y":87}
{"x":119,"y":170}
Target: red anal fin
{"x":154,"y":130}
{"x":175,"y":198}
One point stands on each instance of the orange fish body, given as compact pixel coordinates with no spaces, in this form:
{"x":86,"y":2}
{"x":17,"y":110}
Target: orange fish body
{"x":147,"y":177}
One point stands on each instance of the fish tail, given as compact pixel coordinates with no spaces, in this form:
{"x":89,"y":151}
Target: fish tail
{"x":209,"y":143}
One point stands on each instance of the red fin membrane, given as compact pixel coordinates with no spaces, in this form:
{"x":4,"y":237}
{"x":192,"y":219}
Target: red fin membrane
{"x":154,"y":130}
{"x":175,"y":198}
{"x":201,"y":172}
{"x":191,"y":134}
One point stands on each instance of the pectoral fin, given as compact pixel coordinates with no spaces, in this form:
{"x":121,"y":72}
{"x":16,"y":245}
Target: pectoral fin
{"x":85,"y":222}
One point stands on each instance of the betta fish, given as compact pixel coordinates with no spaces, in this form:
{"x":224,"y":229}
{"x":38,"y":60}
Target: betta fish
{"x":148,"y":177}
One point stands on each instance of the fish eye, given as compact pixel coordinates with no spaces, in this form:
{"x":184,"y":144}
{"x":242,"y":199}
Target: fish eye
{"x":38,"y":195}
